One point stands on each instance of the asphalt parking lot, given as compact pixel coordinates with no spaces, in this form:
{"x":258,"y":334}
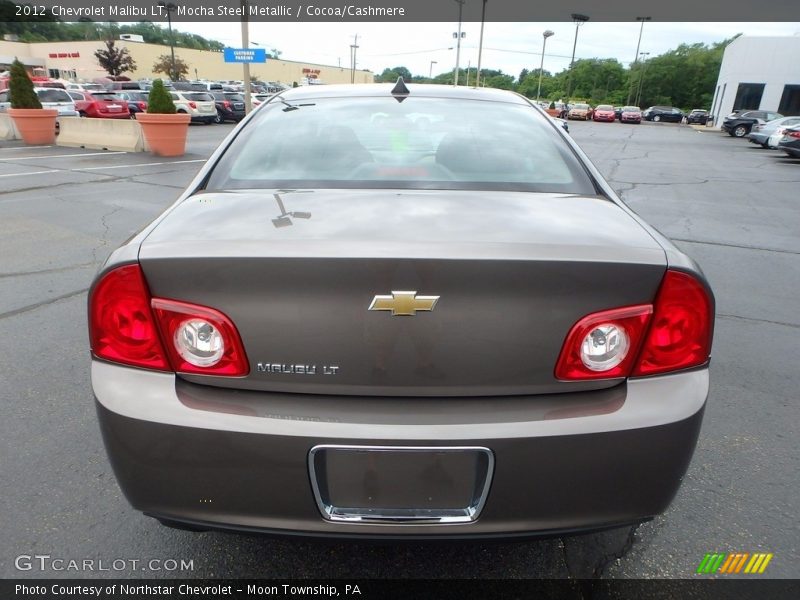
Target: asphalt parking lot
{"x":730,"y":205}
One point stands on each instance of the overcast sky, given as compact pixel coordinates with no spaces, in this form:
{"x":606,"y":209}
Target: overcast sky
{"x":506,"y":46}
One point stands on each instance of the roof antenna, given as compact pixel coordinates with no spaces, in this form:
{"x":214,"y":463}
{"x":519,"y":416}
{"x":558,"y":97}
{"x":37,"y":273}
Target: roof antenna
{"x":400,"y":88}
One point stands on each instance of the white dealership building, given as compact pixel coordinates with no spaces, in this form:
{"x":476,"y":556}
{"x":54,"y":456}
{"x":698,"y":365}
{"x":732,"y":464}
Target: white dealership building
{"x":759,"y":73}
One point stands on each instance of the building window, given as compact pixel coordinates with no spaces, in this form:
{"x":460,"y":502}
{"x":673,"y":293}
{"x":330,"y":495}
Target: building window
{"x":748,"y":96}
{"x":52,"y":73}
{"x":790,"y":101}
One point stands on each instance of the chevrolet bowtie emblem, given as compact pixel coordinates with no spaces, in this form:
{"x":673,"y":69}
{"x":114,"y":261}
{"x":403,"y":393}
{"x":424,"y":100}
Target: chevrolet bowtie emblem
{"x":403,"y":303}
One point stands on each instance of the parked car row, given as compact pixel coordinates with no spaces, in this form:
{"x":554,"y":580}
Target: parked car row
{"x":740,"y":122}
{"x":781,"y":133}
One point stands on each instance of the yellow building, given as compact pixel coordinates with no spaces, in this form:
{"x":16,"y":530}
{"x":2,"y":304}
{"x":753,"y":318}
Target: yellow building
{"x":76,"y":61}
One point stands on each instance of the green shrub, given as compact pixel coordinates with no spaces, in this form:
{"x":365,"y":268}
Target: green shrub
{"x":159,"y":101}
{"x":21,"y":88}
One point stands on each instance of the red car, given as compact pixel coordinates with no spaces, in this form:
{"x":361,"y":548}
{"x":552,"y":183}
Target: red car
{"x":604,"y":112}
{"x":100,"y":105}
{"x":630,"y":114}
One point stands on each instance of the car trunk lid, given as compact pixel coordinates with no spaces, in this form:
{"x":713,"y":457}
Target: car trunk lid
{"x":298,"y":271}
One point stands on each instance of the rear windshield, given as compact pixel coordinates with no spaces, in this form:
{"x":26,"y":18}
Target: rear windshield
{"x":234,"y":97}
{"x":107,"y":96}
{"x":420,"y":143}
{"x":53,"y":95}
{"x":199,"y":96}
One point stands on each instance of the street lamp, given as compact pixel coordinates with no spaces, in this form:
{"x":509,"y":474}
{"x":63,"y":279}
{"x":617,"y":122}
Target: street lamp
{"x":430,"y":71}
{"x":579,"y":20}
{"x":458,"y":37}
{"x":546,"y":34}
{"x":636,"y":56}
{"x":641,"y":78}
{"x":171,"y":7}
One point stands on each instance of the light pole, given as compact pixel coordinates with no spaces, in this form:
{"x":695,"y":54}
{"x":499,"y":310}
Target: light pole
{"x":579,"y":20}
{"x":636,"y":56}
{"x":480,"y":46}
{"x":430,"y":71}
{"x":458,"y":39}
{"x":641,"y":77}
{"x":170,"y":6}
{"x":546,"y":34}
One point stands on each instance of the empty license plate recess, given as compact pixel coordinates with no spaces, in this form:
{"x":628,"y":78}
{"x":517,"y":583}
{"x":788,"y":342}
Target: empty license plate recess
{"x":400,"y":484}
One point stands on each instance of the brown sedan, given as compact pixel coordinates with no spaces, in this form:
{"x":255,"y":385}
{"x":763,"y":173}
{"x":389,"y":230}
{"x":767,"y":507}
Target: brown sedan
{"x":400,"y":311}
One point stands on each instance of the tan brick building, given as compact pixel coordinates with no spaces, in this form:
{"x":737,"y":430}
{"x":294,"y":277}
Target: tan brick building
{"x":76,"y":61}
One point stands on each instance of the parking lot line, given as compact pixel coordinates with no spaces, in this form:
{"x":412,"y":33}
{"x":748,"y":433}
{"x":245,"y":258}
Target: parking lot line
{"x":68,"y":155}
{"x":155,"y":164}
{"x":31,"y":173}
{"x":24,"y":147}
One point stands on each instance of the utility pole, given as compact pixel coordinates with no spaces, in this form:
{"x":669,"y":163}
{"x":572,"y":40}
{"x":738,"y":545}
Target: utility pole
{"x":248,"y":101}
{"x":636,"y":56}
{"x":430,"y":71}
{"x":170,"y":7}
{"x":353,"y":50}
{"x":641,"y":77}
{"x":480,"y":46}
{"x":458,"y":40}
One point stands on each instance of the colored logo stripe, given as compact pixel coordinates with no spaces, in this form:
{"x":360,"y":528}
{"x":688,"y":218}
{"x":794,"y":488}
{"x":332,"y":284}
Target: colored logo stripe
{"x":734,"y":562}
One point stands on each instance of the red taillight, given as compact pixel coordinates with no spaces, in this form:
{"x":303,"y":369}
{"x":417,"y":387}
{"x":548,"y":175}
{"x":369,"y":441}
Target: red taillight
{"x":679,"y":336}
{"x":127,"y":326}
{"x":628,"y":324}
{"x":672,"y":334}
{"x":199,"y":339}
{"x":226,"y":104}
{"x":794,"y":134}
{"x":121,"y":324}
{"x":193,"y":104}
{"x":142,"y":105}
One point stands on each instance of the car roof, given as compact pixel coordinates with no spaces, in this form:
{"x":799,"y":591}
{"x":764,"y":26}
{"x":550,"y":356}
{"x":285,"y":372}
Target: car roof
{"x":415,"y":89}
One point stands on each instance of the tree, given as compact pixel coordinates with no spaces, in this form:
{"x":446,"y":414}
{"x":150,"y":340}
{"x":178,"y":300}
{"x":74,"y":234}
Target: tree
{"x":21,"y":88}
{"x":115,"y":60}
{"x":163,"y":64}
{"x":159,"y":101}
{"x":391,"y":75}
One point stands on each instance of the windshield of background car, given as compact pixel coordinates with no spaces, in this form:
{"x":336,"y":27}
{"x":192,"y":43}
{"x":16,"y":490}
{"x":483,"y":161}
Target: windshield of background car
{"x":630,"y":109}
{"x":106,"y":97}
{"x":53,"y":95}
{"x":199,"y":96}
{"x":605,"y":107}
{"x":580,"y":106}
{"x":420,"y":143}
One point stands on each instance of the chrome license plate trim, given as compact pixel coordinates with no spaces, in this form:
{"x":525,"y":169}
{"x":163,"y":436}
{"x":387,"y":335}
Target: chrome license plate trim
{"x":397,"y":516}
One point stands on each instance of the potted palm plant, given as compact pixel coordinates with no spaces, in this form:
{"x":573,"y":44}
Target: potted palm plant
{"x":164,"y":129}
{"x":36,"y":125}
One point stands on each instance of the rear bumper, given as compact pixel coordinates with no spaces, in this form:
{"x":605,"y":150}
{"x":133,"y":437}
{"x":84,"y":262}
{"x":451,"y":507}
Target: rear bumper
{"x":240,"y":460}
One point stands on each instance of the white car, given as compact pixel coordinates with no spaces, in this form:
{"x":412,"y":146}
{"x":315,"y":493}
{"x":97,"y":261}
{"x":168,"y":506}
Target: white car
{"x":200,"y":105}
{"x":49,"y":97}
{"x":769,"y":134}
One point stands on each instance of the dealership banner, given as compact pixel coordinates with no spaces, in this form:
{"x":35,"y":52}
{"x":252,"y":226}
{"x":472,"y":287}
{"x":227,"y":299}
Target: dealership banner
{"x":398,"y":10}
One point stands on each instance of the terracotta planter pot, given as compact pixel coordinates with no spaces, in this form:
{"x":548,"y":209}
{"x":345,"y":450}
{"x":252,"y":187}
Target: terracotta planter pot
{"x":165,"y":134}
{"x":35,"y":125}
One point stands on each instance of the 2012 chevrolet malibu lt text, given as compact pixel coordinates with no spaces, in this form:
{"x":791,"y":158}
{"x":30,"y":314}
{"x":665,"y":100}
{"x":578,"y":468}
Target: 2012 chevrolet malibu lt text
{"x":400,"y":311}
